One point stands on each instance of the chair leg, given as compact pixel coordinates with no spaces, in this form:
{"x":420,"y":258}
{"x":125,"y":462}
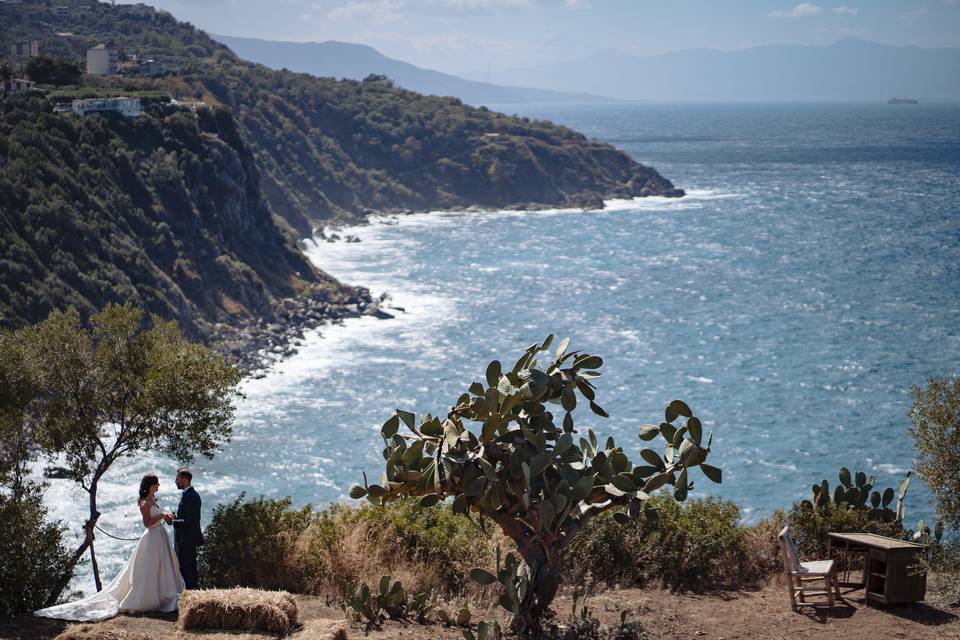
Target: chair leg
{"x":793,"y":595}
{"x":829,"y":589}
{"x":836,"y":586}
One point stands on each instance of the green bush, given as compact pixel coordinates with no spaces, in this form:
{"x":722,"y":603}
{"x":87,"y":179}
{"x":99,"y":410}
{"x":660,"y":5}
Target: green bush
{"x":34,"y":560}
{"x":265,"y":544}
{"x":935,"y":418}
{"x":697,"y":546}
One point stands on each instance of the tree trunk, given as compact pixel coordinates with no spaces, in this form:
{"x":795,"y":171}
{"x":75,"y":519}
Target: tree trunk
{"x":94,"y":516}
{"x":75,"y":558}
{"x":542,"y":566}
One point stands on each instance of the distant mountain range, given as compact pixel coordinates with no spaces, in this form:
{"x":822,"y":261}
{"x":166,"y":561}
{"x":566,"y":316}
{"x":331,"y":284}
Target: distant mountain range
{"x":850,"y":69}
{"x":339,"y":60}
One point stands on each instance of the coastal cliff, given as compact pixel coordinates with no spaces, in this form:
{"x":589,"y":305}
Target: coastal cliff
{"x":337,"y":149}
{"x":163,"y":211}
{"x":192,"y":213}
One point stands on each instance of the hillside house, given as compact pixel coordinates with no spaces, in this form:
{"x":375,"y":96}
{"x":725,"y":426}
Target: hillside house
{"x":25,"y":49}
{"x":102,"y":60}
{"x":129,"y":107}
{"x":18,"y":85}
{"x":151,"y":69}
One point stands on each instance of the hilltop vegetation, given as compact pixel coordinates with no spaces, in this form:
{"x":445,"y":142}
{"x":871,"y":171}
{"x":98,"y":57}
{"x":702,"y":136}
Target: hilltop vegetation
{"x":163,"y":211}
{"x":336,"y":149}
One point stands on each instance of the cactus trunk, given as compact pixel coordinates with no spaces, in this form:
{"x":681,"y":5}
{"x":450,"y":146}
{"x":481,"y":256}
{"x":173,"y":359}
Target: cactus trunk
{"x":542,"y":556}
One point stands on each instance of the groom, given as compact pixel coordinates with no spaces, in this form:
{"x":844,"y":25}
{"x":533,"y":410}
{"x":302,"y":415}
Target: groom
{"x":187,"y":534}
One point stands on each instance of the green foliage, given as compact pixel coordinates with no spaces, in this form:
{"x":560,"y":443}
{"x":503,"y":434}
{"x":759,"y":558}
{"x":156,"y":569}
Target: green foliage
{"x":265,"y":544}
{"x":852,"y":507}
{"x":115,"y":389}
{"x":34,"y":561}
{"x":55,"y":70}
{"x":387,"y":599}
{"x":18,"y":433}
{"x":525,"y":473}
{"x":935,"y":418}
{"x":699,"y":546}
{"x":163,"y":211}
{"x":337,"y":148}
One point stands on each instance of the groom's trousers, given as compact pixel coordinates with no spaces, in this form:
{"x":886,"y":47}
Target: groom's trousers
{"x":187,"y":556}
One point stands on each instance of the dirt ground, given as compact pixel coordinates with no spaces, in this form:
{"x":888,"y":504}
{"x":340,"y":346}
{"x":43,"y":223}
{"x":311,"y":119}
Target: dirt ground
{"x":762,"y":614}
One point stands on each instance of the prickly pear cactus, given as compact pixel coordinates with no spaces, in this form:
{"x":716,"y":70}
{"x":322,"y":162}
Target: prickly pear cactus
{"x":529,"y":469}
{"x":857,"y":492}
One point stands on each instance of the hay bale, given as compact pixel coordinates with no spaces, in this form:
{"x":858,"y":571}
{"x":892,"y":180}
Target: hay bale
{"x":243,"y":609}
{"x":98,"y":632}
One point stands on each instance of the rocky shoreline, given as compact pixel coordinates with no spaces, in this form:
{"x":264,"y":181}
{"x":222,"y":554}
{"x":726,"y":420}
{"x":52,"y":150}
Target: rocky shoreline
{"x":256,"y":345}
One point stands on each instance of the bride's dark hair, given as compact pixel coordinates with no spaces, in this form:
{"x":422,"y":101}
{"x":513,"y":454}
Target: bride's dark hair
{"x":148,"y":481}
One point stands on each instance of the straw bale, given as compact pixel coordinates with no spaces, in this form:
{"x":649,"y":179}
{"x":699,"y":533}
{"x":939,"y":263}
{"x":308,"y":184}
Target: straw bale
{"x":242,"y":609}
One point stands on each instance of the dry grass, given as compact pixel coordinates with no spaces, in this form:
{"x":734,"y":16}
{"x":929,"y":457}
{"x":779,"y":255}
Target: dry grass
{"x":97,"y":632}
{"x":241,"y":609}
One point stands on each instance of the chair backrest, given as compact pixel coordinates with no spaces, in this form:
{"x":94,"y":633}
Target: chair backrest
{"x":790,"y":560}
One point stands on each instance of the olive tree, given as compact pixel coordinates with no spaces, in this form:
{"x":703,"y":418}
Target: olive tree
{"x":116,"y":388}
{"x":34,"y":560}
{"x":936,"y":431}
{"x":538,"y":478}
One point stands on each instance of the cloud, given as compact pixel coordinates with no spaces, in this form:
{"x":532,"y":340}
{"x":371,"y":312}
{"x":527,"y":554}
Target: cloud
{"x":487,"y":5}
{"x":846,"y":11}
{"x":577,"y":4}
{"x":378,"y":12}
{"x":803,"y":10}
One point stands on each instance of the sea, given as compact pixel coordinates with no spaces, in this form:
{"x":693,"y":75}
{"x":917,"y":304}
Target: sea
{"x":807,"y":282}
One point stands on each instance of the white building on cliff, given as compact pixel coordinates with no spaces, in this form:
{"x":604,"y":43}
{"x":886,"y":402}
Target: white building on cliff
{"x":102,"y":60}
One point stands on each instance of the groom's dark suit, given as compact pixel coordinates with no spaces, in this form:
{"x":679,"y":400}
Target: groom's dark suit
{"x":187,"y":536}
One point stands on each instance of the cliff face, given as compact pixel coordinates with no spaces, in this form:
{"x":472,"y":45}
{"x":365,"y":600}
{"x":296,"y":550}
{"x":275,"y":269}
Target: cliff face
{"x":338,"y":149}
{"x":164,"y":211}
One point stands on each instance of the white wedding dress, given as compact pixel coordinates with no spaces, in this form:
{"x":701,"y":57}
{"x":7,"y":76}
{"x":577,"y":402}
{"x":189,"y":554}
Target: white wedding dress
{"x":150,"y":581}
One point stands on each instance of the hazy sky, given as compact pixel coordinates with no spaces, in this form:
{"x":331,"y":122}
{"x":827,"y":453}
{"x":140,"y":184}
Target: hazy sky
{"x":475,"y":35}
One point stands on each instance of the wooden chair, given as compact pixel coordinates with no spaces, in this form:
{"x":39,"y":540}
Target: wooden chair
{"x":799,"y":572}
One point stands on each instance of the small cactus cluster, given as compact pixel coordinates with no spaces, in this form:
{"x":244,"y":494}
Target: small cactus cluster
{"x":925,"y":535}
{"x":857,"y":491}
{"x":514,"y":581}
{"x":388,"y":600}
{"x":531,"y":471}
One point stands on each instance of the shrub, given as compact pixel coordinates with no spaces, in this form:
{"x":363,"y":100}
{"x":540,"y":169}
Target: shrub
{"x":53,"y":70}
{"x":936,"y":431}
{"x":697,"y":546}
{"x":35,"y":561}
{"x":265,"y":544}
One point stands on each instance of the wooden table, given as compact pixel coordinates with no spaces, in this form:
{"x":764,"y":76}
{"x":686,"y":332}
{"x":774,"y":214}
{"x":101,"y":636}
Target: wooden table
{"x":889,"y":575}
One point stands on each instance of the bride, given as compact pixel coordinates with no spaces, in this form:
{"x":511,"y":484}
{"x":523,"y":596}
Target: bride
{"x":150,"y":581}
